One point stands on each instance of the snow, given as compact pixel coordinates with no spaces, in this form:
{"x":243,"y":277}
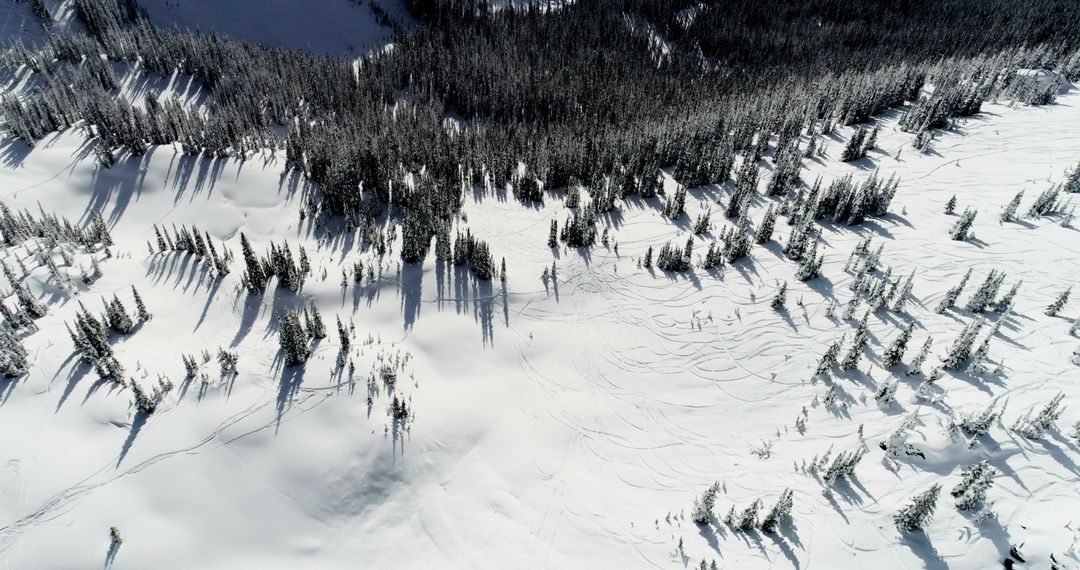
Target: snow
{"x":561,"y":426}
{"x":345,"y":27}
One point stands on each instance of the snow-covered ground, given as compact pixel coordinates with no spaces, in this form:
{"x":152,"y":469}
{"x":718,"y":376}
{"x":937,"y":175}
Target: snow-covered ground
{"x":344,"y":27}
{"x":560,"y":425}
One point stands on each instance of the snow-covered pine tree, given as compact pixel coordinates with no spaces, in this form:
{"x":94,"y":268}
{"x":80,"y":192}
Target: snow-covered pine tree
{"x":140,"y":308}
{"x":950,"y":206}
{"x":553,"y":235}
{"x":961,"y":230}
{"x":1009,"y":213}
{"x":858,"y":343}
{"x":919,"y":512}
{"x":255,"y":276}
{"x":984,"y":296}
{"x":895,"y":353}
{"x":703,"y":506}
{"x":292,"y":338}
{"x":118,"y":317}
{"x":1059,"y":303}
{"x":32,"y":306}
{"x":1007,"y":301}
{"x":916,"y":364}
{"x":854,"y":148}
{"x":647,"y":261}
{"x":779,"y":513}
{"x":810,"y":265}
{"x":765,"y":231}
{"x":343,"y":335}
{"x":748,"y":519}
{"x":780,"y":299}
{"x":1034,"y":426}
{"x":949,"y":301}
{"x":970,"y":492}
{"x":317,"y":328}
{"x":960,"y":351}
{"x":829,"y":358}
{"x":13,"y":356}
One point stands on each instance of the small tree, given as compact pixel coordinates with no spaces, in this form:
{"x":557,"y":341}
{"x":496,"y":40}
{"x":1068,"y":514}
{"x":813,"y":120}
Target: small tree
{"x":1058,"y":303}
{"x":703,"y":506}
{"x":919,"y":512}
{"x":950,"y":206}
{"x":779,"y":513}
{"x":778,"y":302}
{"x":140,"y":307}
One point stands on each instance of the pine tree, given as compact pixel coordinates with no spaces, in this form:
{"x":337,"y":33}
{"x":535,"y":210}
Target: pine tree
{"x":140,"y":308}
{"x":1058,"y":303}
{"x":829,"y":358}
{"x":950,"y":206}
{"x":553,"y":235}
{"x":1009,"y":213}
{"x":765,"y":231}
{"x":703,"y":506}
{"x":317,"y":329}
{"x":949,"y":301}
{"x":255,"y":276}
{"x":781,"y":297}
{"x":343,"y":335}
{"x":919,"y":512}
{"x":13,"y":356}
{"x":854,"y":149}
{"x":32,"y":306}
{"x":748,"y":519}
{"x":647,"y":262}
{"x":292,"y":338}
{"x":118,"y":317}
{"x":895,"y":352}
{"x":780,"y":512}
{"x":854,"y":354}
{"x":1034,"y":426}
{"x":970,"y":492}
{"x":961,"y":230}
{"x":916,"y":365}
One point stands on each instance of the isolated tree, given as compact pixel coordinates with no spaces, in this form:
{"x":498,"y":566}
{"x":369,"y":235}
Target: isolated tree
{"x":140,"y":308}
{"x":918,"y":513}
{"x":975,"y":480}
{"x":916,"y":364}
{"x":553,"y":235}
{"x":950,"y":206}
{"x":780,"y":299}
{"x":1059,"y":303}
{"x":1009,"y":213}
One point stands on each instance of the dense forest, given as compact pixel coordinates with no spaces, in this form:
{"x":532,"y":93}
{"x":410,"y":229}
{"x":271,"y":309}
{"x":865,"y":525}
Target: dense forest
{"x":600,"y":94}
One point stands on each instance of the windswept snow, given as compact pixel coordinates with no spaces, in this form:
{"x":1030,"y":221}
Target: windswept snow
{"x":559,"y":425}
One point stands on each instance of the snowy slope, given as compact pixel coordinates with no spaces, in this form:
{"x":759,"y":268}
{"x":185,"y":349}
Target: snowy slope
{"x":566,"y":425}
{"x":345,"y":27}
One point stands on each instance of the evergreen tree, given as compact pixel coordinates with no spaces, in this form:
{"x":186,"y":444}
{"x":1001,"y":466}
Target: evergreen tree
{"x":1059,"y":303}
{"x":855,"y":148}
{"x":316,"y":328}
{"x":553,"y":235}
{"x":13,"y":356}
{"x":950,"y":206}
{"x":765,"y":231}
{"x":140,"y":308}
{"x":255,"y":276}
{"x":949,"y":301}
{"x":961,"y":230}
{"x":118,"y":317}
{"x":895,"y":352}
{"x":703,"y":506}
{"x":779,"y":513}
{"x":854,"y":354}
{"x":918,"y":513}
{"x":916,"y":364}
{"x":292,"y":338}
{"x":780,"y":299}
{"x":1009,"y":213}
{"x":343,"y":336}
{"x":970,"y":492}
{"x":829,"y":358}
{"x":647,"y":262}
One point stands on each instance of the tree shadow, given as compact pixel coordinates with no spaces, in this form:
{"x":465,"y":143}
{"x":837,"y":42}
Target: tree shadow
{"x":137,"y":424}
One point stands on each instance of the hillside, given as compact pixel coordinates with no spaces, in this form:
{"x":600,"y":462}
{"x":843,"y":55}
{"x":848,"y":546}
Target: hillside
{"x":317,"y":309}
